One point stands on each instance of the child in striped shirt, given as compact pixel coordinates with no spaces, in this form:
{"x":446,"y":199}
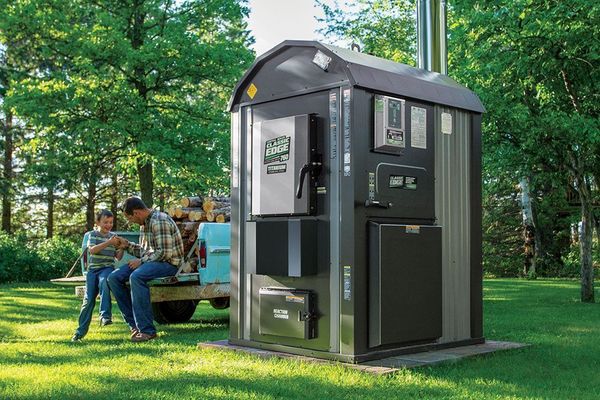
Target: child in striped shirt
{"x":102,"y":247}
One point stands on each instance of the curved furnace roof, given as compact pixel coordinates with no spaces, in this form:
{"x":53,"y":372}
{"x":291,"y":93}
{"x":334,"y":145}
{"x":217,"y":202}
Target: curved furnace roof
{"x":288,"y":69}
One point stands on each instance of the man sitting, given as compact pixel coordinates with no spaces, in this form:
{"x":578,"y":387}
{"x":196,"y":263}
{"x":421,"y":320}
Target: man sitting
{"x":159,"y":254}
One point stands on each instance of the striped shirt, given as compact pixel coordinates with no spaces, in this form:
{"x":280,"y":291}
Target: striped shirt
{"x":160,"y":240}
{"x":104,"y":258}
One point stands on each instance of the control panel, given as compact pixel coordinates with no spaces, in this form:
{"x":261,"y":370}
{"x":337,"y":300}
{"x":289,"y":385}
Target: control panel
{"x":390,"y":132}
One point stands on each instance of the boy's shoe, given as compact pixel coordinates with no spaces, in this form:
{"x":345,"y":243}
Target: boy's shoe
{"x":105,"y":321}
{"x":76,"y":337}
{"x":134,"y":331}
{"x":143,"y":337}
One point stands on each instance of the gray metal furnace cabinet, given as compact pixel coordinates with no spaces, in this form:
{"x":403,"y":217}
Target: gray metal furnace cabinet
{"x":356,"y":206}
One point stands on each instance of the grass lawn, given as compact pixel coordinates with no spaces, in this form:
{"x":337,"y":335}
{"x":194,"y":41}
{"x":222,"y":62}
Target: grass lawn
{"x":37,"y":360}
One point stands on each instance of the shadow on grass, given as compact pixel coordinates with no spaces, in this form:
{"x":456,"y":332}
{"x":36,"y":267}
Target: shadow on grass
{"x":202,"y":385}
{"x":302,"y":381}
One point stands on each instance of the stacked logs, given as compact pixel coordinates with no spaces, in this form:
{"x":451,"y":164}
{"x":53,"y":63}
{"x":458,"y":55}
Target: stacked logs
{"x":199,"y":209}
{"x":194,"y":210}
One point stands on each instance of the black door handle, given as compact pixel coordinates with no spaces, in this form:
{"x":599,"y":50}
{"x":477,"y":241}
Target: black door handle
{"x":377,"y":203}
{"x":306,"y":168}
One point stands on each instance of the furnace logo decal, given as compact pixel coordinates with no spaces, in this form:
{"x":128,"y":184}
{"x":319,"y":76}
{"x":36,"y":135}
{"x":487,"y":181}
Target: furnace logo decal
{"x":277,"y":150}
{"x":276,"y":169}
{"x":403,"y":182}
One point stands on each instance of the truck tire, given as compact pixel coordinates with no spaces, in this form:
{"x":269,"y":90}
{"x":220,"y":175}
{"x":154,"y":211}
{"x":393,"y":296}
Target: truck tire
{"x":219,"y":303}
{"x":173,"y":312}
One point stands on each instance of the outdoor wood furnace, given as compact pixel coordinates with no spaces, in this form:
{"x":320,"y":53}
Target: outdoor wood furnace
{"x":356,"y":206}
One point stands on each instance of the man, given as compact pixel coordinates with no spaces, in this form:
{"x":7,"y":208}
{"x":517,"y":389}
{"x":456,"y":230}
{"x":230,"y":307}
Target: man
{"x":159,"y":254}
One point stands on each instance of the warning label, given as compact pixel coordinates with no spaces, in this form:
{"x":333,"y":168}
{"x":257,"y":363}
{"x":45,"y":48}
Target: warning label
{"x":277,"y":150}
{"x":418,"y":127}
{"x":252,"y":89}
{"x":347,"y":282}
{"x":394,"y":138}
{"x":413,"y":229}
{"x":294,"y":299}
{"x":446,"y":123}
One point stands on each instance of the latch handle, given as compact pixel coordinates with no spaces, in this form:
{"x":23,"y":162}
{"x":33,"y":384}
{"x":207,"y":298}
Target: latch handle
{"x":377,"y":203}
{"x":305,"y":316}
{"x":306,"y":168}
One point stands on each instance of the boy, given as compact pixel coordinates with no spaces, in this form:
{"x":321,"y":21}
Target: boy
{"x":102,"y":246}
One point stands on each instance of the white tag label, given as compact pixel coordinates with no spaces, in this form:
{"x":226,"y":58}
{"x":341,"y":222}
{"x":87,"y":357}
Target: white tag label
{"x":447,"y":124}
{"x":280,"y":314}
{"x":418,"y":127}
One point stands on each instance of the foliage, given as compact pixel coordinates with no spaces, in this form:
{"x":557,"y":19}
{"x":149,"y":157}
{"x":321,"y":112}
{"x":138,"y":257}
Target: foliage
{"x":385,"y":28}
{"x":38,"y":361}
{"x":572,"y":267}
{"x":130,"y":91}
{"x":57,"y":255}
{"x":17,"y":261}
{"x":535,"y":66}
{"x":22,"y":262}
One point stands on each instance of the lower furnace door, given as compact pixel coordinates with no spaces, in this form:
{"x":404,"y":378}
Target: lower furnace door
{"x":405,"y":283}
{"x":286,"y":312}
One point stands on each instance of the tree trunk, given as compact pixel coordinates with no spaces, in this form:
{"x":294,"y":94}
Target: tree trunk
{"x":144,"y":167}
{"x":7,"y":174}
{"x":585,"y":242}
{"x":146,"y":181}
{"x":114,"y":199}
{"x":529,"y":233}
{"x":50,"y":216}
{"x":575,"y":234}
{"x":161,"y":201}
{"x":90,"y":205}
{"x":597,"y":213}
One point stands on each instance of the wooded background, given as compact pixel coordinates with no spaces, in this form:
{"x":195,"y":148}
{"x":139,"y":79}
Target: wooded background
{"x":104,"y":99}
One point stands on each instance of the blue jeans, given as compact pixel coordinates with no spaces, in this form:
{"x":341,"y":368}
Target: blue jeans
{"x":95,"y":282}
{"x":134,"y":302}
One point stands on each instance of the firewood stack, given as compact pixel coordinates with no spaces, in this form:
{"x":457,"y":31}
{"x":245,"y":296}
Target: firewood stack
{"x":194,"y":210}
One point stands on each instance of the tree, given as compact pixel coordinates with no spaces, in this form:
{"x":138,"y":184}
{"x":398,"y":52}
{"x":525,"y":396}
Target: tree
{"x":127,"y":88}
{"x":385,"y":28}
{"x":176,"y":64}
{"x":7,"y":129}
{"x":535,"y":64}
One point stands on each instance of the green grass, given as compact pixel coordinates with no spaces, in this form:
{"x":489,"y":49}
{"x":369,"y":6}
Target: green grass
{"x":37,"y":360}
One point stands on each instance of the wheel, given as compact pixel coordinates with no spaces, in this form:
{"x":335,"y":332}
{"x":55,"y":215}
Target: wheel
{"x":173,"y":312}
{"x":219,"y":303}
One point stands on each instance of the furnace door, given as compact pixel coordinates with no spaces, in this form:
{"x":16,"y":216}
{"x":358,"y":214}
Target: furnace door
{"x":280,"y":148}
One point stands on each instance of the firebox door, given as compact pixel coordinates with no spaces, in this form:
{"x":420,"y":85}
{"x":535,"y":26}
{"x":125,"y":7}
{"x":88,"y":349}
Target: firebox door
{"x":284,"y":166}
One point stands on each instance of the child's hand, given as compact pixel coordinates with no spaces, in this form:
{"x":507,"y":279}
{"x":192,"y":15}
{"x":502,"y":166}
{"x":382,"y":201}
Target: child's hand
{"x":114,"y":241}
{"x":122,"y":243}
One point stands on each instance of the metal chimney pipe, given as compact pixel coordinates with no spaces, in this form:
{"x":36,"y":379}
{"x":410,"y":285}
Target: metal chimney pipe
{"x":432,"y":50}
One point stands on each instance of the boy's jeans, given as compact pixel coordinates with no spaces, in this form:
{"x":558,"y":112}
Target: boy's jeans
{"x":95,"y":281}
{"x":135,"y":304}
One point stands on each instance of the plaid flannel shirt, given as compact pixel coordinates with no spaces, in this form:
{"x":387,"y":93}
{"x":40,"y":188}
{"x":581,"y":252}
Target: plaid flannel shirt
{"x":160,"y":240}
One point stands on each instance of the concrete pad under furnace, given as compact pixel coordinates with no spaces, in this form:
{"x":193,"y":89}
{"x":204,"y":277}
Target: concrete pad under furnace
{"x":385,"y":365}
